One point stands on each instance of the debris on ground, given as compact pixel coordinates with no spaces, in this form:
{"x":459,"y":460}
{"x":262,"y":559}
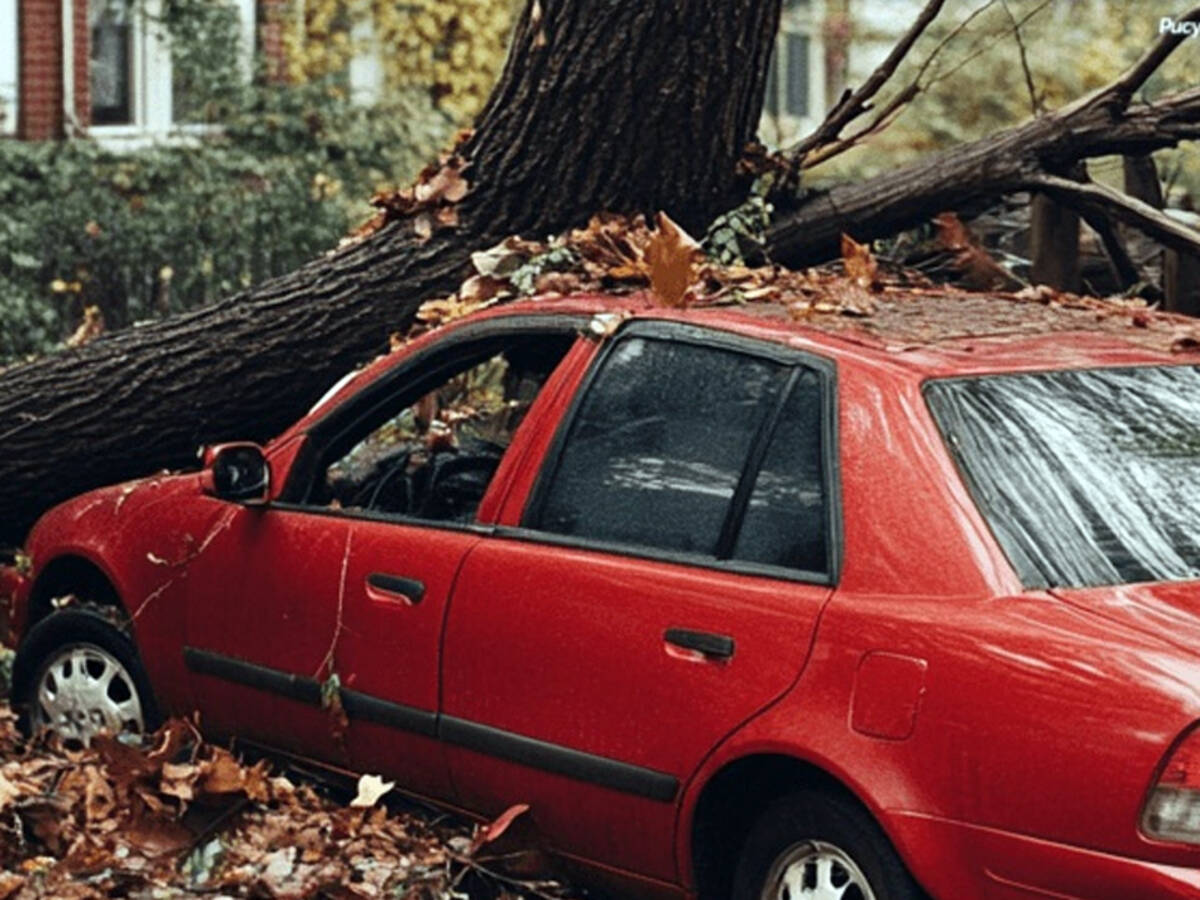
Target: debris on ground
{"x":175,"y":816}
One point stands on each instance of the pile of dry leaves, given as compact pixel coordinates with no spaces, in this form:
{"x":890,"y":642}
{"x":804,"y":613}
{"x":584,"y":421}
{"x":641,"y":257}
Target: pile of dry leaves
{"x":178,"y":817}
{"x":888,"y":303}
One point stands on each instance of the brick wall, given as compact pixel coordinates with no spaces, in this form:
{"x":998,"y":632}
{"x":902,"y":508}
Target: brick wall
{"x":41,"y":68}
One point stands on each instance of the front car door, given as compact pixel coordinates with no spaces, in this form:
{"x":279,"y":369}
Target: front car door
{"x":659,"y":586}
{"x":328,"y":641}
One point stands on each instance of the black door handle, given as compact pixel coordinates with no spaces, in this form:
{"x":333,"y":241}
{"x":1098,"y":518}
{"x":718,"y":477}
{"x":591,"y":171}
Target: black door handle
{"x":410,"y":589}
{"x":716,"y":646}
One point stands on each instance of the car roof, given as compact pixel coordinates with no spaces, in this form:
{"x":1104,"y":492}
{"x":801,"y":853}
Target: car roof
{"x":932,"y":333}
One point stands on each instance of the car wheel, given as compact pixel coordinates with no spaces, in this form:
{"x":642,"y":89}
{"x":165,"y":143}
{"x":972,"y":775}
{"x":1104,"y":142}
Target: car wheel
{"x":818,"y":845}
{"x":77,"y":674}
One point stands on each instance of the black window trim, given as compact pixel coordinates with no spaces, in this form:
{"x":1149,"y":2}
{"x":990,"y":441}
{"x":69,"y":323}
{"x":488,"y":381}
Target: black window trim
{"x":342,"y":419}
{"x":679,"y":332}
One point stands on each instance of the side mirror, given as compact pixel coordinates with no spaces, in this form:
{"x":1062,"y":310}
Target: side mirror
{"x":239,"y":472}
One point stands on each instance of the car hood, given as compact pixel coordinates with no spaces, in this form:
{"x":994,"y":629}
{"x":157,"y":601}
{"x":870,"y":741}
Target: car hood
{"x":1166,"y":610}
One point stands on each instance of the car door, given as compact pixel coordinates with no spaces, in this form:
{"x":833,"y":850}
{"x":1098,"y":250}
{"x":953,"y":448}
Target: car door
{"x":395,"y":480}
{"x":658,"y":587}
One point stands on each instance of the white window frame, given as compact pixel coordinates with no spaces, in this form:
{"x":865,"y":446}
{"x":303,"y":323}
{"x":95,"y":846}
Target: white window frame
{"x":153,"y":111}
{"x":365,"y":72}
{"x":10,"y":67}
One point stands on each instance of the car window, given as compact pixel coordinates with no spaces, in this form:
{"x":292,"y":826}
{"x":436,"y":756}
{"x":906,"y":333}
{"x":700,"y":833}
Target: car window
{"x":660,"y":443}
{"x":434,"y":456}
{"x":1086,"y":478}
{"x":785,"y":522}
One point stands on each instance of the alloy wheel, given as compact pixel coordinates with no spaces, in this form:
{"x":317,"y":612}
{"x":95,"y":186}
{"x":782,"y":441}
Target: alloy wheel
{"x":815,"y":870}
{"x":84,"y":690}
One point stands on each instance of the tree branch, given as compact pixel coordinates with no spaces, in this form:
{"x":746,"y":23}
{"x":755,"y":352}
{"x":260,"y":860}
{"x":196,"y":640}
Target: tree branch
{"x":990,"y":167}
{"x":1123,"y":89}
{"x":853,"y":104}
{"x":892,"y":109}
{"x":1133,"y":212}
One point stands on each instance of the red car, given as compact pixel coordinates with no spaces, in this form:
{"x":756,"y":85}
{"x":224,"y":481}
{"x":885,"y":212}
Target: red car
{"x":740,"y":605}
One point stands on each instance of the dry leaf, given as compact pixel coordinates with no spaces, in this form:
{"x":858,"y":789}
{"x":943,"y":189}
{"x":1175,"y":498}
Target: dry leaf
{"x":370,"y":789}
{"x":861,"y":267}
{"x":498,"y":826}
{"x":89,"y":329}
{"x":672,"y":255}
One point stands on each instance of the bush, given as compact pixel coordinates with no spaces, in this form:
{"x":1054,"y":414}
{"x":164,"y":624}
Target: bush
{"x":171,"y":227}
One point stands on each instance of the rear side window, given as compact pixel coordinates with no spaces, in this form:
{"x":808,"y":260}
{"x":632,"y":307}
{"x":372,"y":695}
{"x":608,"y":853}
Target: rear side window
{"x":785,"y":519}
{"x":695,"y":449}
{"x":1086,"y":478}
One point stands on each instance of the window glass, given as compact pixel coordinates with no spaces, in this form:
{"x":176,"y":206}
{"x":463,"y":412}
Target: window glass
{"x":797,"y":74}
{"x":434,"y":458}
{"x":785,"y":521}
{"x":111,"y":61}
{"x":8,"y":66}
{"x":658,"y":446}
{"x":1087,"y":478}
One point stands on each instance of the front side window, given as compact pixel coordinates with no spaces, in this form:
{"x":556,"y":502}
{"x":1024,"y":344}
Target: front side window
{"x":433,"y":455}
{"x":1086,"y":478}
{"x":697,"y":450}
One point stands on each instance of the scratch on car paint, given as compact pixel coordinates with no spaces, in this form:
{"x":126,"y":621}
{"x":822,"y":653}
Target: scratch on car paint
{"x":220,"y":525}
{"x":87,"y":509}
{"x":338,"y":627}
{"x":151,"y":481}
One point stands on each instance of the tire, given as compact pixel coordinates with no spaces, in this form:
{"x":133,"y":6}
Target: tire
{"x":92,"y":633}
{"x":816,"y":830}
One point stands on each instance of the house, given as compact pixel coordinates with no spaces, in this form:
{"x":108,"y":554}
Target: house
{"x":823,"y":47}
{"x":97,"y":67}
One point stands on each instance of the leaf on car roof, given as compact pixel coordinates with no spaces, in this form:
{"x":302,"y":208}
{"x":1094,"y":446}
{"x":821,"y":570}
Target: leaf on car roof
{"x":672,"y":255}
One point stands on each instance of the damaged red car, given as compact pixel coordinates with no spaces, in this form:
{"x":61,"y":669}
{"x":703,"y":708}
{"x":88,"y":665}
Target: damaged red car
{"x":741,"y":605}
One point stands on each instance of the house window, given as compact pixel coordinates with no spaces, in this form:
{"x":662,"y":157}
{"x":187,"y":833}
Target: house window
{"x":795,"y":94}
{"x":133,"y":92}
{"x":8,"y":66}
{"x":111,"y":62}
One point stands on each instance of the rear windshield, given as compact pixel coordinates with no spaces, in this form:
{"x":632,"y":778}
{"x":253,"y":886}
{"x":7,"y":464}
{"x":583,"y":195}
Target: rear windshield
{"x":1087,"y":478}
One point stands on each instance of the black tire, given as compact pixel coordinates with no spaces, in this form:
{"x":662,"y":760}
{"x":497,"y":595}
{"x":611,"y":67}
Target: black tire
{"x":80,"y":624}
{"x":830,"y":818}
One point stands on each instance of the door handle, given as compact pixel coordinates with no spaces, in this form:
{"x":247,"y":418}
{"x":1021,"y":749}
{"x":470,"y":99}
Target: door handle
{"x":410,"y":590}
{"x":714,"y":646}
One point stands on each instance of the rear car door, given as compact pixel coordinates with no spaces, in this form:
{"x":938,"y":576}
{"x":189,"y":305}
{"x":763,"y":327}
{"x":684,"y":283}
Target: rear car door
{"x":658,"y":586}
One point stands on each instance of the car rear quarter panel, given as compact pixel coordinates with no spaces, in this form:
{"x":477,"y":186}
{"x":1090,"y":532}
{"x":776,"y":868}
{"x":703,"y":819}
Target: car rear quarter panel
{"x":1033,"y":716}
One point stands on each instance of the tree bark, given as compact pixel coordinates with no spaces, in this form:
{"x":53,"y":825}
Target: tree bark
{"x":1055,"y":239}
{"x":605,"y":105}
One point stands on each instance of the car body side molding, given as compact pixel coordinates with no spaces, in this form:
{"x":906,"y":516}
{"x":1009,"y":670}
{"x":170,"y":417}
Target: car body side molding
{"x":527,"y":751}
{"x":610,"y":773}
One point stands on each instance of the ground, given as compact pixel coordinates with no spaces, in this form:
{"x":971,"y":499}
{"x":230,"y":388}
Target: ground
{"x":178,"y":817}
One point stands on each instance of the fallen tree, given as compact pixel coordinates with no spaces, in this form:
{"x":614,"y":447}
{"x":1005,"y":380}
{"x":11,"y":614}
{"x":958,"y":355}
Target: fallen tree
{"x":616,"y":106}
{"x":608,"y":106}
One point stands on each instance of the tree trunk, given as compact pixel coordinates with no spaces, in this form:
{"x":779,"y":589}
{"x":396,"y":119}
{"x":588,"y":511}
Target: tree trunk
{"x":1055,"y":239}
{"x":605,"y":105}
{"x":1181,"y":271}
